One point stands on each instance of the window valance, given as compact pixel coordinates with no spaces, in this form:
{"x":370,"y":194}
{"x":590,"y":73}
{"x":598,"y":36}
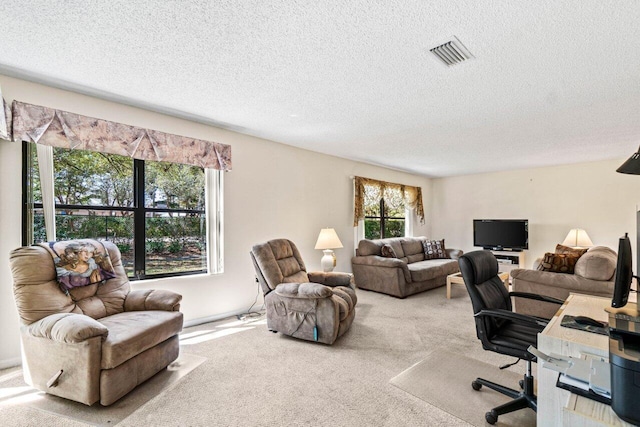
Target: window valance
{"x":383,"y":190}
{"x":58,"y":128}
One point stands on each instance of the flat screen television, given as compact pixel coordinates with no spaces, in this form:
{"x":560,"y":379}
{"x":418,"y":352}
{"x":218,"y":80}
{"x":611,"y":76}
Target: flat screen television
{"x":624,"y":273}
{"x":501,"y":234}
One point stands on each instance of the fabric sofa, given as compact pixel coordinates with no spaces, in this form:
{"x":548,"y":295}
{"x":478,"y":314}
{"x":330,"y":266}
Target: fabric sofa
{"x":96,"y":342}
{"x":405,"y":274}
{"x":594,"y":275}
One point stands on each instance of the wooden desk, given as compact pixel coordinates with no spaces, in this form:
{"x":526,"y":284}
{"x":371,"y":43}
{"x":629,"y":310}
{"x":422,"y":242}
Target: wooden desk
{"x":456,"y":279}
{"x":558,"y":407}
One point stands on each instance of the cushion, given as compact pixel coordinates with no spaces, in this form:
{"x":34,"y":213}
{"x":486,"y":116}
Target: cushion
{"x":432,"y":269}
{"x":562,"y":249}
{"x":412,"y":245}
{"x":434,"y":249}
{"x":388,"y":252}
{"x":558,"y":263}
{"x":131,"y":333}
{"x":80,"y":263}
{"x":599,"y":263}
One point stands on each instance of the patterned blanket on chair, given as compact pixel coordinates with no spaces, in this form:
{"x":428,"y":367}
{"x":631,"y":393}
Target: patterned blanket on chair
{"x":80,"y":262}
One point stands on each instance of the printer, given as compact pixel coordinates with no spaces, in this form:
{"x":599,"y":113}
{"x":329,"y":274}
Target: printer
{"x":624,"y":362}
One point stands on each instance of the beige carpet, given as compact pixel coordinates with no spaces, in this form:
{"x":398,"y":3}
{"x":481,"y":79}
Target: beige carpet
{"x":444,"y":379}
{"x":96,"y":415}
{"x":252,"y":377}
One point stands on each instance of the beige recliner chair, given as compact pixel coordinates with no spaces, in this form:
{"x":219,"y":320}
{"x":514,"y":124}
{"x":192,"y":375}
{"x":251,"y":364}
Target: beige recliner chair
{"x":313,"y":306}
{"x":98,"y":342}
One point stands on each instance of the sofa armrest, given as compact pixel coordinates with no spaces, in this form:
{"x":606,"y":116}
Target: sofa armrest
{"x":378,"y":261}
{"x":152,"y":299}
{"x":455,"y":253}
{"x":303,"y":290}
{"x":536,"y":263}
{"x":67,"y":328}
{"x":331,"y":279}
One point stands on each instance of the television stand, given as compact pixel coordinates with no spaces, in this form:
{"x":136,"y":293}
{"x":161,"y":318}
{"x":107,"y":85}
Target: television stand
{"x":509,"y":260}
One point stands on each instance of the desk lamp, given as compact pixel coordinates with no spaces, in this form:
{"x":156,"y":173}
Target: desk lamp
{"x":577,"y":238}
{"x":328,"y":240}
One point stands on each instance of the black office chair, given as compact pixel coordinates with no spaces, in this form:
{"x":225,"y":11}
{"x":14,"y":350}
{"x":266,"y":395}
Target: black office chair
{"x":499,"y":328}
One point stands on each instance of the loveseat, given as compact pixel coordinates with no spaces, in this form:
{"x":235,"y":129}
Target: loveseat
{"x":397,"y":266}
{"x":594,"y":274}
{"x":92,"y":343}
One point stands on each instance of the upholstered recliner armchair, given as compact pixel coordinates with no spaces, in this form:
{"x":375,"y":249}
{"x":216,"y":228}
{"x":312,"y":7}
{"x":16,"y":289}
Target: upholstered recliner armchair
{"x":314,"y":306}
{"x":96,"y":342}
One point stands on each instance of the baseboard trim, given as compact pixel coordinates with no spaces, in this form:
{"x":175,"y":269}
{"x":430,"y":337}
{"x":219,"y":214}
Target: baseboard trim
{"x":10,"y":363}
{"x":201,"y":320}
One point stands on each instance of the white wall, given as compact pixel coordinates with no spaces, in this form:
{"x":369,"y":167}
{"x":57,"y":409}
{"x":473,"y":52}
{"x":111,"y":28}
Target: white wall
{"x":555,"y":199}
{"x":273,"y":191}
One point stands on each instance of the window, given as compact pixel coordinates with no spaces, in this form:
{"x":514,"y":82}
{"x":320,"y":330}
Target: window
{"x":153,"y":211}
{"x":384,"y":220}
{"x":385,"y":209}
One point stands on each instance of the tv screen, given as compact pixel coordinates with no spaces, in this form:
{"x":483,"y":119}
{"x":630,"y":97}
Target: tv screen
{"x":624,"y":274}
{"x":501,"y":234}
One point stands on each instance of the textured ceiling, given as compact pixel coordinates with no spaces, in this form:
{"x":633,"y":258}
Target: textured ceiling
{"x":551,"y":83}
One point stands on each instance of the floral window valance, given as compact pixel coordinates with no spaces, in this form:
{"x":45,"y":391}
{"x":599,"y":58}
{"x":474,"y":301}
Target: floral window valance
{"x":58,"y":128}
{"x":412,"y":196}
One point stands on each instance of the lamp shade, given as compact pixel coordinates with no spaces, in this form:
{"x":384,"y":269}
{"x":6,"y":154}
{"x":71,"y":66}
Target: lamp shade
{"x":631,"y":166}
{"x":328,"y":239}
{"x":577,"y":237}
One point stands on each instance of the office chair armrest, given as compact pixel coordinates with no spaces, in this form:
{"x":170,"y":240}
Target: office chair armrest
{"x":303,"y":290}
{"x":514,"y":317}
{"x":536,"y":297}
{"x":330,"y":278}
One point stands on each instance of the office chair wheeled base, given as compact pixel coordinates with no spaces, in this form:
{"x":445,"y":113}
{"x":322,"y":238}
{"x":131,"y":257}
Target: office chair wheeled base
{"x":521,"y":399}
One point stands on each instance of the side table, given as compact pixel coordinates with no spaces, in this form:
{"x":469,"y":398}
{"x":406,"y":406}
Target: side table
{"x":457,"y":279}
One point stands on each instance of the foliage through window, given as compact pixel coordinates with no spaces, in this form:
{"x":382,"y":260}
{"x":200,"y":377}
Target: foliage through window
{"x":153,"y":211}
{"x":384,"y":213}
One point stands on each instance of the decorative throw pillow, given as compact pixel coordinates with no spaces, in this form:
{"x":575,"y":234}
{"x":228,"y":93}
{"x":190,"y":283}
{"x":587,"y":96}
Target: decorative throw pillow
{"x":388,"y":252}
{"x":558,"y":263}
{"x":562,"y":249}
{"x":80,"y":263}
{"x":434,"y":249}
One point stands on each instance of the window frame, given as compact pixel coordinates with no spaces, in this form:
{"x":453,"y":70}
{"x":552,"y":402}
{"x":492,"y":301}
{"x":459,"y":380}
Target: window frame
{"x":213,"y":187}
{"x":382,"y":218}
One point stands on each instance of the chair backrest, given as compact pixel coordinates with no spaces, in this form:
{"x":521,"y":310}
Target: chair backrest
{"x":38,"y":294}
{"x":487,"y":291}
{"x":278,"y":261}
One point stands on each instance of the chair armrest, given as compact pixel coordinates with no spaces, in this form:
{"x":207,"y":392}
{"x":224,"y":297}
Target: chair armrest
{"x":514,"y":317}
{"x":303,"y":290}
{"x":67,"y":328}
{"x":330,"y":278}
{"x":536,"y":297}
{"x":378,"y":261}
{"x":152,"y":299}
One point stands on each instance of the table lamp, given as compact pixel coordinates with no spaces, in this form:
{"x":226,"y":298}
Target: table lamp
{"x":577,"y":238}
{"x":328,"y":240}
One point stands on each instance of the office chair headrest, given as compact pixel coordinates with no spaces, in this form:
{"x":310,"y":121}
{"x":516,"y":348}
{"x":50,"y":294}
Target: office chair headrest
{"x":484,"y":265}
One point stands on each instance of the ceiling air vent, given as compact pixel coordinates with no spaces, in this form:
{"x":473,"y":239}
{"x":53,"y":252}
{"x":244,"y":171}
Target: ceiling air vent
{"x":452,"y":52}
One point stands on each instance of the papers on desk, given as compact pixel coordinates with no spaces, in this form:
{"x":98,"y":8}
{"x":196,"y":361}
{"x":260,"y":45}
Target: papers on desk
{"x":587,"y":377}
